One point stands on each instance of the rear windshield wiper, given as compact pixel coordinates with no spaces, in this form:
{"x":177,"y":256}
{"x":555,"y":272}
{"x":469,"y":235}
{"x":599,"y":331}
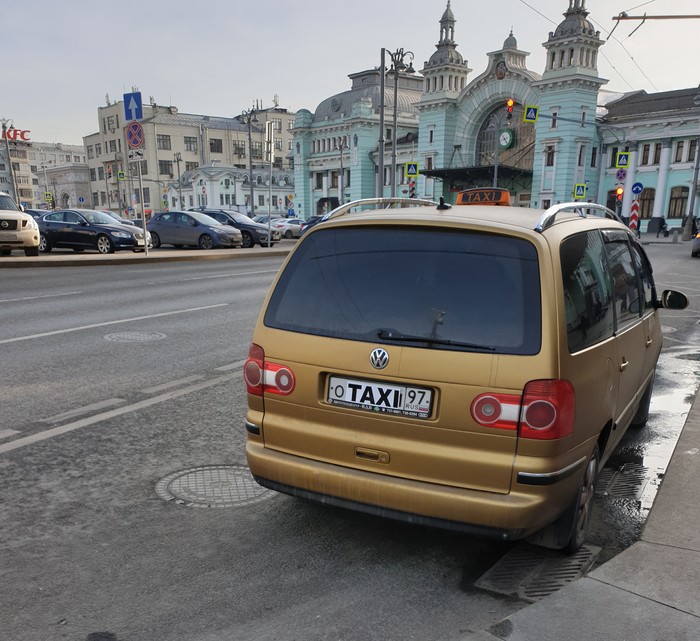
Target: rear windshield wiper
{"x":391,"y":335}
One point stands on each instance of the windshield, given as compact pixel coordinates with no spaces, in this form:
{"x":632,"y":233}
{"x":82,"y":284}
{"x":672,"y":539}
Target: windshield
{"x":433,"y":289}
{"x":99,"y":218}
{"x":203,"y":219}
{"x":7,"y":203}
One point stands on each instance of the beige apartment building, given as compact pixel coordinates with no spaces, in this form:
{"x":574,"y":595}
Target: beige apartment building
{"x":175,"y":146}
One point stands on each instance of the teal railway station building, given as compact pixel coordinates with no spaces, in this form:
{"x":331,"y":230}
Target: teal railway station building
{"x":549,"y":137}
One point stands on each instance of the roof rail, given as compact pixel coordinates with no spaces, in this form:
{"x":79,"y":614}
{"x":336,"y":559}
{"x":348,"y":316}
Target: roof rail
{"x":584,"y":210}
{"x":382,"y":203}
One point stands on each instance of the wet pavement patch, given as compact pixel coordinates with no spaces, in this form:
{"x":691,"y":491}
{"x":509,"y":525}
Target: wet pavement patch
{"x":531,"y":573}
{"x":626,"y":482}
{"x":212,"y":486}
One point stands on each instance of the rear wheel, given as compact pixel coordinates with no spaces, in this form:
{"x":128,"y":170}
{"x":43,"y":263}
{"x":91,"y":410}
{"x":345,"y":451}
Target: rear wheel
{"x":206,"y":242}
{"x":5,"y":252}
{"x":155,"y":240}
{"x":44,"y":244}
{"x":247,"y":239}
{"x":105,"y":244}
{"x":288,"y":234}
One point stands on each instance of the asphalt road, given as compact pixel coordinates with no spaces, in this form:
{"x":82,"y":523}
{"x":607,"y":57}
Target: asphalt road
{"x":115,"y":378}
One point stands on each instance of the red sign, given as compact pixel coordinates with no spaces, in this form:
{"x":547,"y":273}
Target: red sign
{"x":134,"y":135}
{"x":634,"y":216}
{"x":16,"y":134}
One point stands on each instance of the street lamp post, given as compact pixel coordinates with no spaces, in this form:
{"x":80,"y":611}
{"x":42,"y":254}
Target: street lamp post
{"x":341,"y":146}
{"x":5,"y":128}
{"x":178,"y":160}
{"x":248,"y":117}
{"x":398,"y":65}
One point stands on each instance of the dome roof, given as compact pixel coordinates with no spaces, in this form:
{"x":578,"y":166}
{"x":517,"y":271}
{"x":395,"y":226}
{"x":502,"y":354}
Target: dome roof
{"x":575,"y":21}
{"x":445,"y":56}
{"x":341,"y":105}
{"x":510,"y":42}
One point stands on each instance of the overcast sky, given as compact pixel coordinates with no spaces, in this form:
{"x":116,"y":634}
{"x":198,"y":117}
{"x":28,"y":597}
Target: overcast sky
{"x":215,"y":57}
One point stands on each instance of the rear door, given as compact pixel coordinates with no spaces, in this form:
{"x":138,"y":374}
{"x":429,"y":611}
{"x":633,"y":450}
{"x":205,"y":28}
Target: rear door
{"x":391,"y":333}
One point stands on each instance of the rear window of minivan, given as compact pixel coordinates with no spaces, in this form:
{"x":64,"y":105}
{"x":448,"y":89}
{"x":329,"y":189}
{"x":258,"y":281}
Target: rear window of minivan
{"x":424,"y":287}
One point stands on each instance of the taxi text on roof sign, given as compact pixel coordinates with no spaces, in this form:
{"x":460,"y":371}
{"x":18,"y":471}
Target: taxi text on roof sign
{"x":484,"y":196}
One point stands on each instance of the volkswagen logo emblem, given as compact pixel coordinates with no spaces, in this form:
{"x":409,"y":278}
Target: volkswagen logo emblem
{"x":4,"y":224}
{"x":379,"y":358}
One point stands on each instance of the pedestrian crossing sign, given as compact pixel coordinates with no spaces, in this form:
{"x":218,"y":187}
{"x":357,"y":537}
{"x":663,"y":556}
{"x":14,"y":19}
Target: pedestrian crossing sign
{"x":622,"y":160}
{"x":531,"y":113}
{"x":579,"y":191}
{"x":411,"y":169}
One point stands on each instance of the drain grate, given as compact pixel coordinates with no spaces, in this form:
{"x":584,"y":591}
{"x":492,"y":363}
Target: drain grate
{"x":531,"y":573}
{"x":626,"y":482}
{"x":212,"y":486}
{"x":134,"y":337}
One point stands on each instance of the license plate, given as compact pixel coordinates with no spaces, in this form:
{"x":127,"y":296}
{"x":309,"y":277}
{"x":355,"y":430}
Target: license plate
{"x":387,"y":398}
{"x":6,"y":236}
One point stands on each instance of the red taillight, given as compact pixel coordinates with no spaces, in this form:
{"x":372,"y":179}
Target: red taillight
{"x":545,"y":411}
{"x":496,"y":410}
{"x":548,"y":409}
{"x":261,"y":376}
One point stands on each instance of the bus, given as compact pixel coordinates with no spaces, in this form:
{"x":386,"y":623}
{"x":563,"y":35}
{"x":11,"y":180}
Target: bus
{"x":484,"y":196}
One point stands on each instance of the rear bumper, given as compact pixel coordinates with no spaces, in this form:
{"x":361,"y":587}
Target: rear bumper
{"x":511,"y":516}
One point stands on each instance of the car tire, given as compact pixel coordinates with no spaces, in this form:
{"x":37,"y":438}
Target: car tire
{"x":248,"y":241}
{"x":31,"y":251}
{"x":288,"y":234}
{"x":5,"y":252}
{"x":568,"y":532}
{"x":104,"y":244}
{"x":44,"y":244}
{"x":155,"y":240}
{"x":642,"y":416}
{"x":695,"y":254}
{"x":206,"y":242}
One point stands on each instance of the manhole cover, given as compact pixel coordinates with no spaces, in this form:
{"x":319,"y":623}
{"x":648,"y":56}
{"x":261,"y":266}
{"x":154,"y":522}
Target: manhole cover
{"x":531,"y":573}
{"x":134,"y":337}
{"x":212,"y":486}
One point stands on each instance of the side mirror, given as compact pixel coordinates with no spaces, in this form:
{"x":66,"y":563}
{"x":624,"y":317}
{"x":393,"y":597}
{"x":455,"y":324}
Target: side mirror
{"x":671,"y":299}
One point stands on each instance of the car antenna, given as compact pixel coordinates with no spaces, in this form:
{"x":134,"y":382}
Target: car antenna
{"x":443,"y":205}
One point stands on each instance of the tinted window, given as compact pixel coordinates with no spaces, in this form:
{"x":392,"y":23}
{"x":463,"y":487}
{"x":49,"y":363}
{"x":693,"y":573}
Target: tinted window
{"x":626,"y":287}
{"x":587,"y":291}
{"x":643,"y":266}
{"x":423,"y":283}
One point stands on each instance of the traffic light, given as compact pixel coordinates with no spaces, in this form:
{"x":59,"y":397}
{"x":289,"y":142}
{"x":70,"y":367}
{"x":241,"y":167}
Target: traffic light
{"x":620,"y":191}
{"x":412,"y":189}
{"x":509,"y":104}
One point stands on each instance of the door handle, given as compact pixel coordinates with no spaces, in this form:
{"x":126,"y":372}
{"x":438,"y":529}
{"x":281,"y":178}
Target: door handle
{"x":624,"y":364}
{"x":650,"y":340}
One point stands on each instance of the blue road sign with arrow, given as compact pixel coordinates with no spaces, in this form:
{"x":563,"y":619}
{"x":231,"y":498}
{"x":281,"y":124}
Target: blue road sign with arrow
{"x":637,"y":188}
{"x":133,"y":107}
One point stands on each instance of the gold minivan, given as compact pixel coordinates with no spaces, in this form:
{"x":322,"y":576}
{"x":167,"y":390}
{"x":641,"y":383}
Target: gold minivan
{"x":465,"y":367}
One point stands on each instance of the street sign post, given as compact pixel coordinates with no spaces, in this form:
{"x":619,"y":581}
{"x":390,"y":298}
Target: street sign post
{"x":637,"y":188}
{"x":411,"y":169}
{"x":622,"y":160}
{"x":133,"y":107}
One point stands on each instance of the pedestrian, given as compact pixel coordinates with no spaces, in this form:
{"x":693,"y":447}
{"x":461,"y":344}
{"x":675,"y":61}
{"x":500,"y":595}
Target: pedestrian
{"x":662,"y":226}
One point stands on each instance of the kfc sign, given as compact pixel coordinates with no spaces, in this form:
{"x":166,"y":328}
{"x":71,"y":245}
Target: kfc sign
{"x":16,"y":134}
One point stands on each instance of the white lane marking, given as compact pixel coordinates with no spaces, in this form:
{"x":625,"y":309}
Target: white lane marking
{"x":115,"y":322}
{"x":15,"y":300}
{"x":183,"y":381}
{"x":228,"y":275}
{"x":230,"y":366}
{"x":110,"y":402}
{"x":91,"y":420}
{"x":7,"y":433}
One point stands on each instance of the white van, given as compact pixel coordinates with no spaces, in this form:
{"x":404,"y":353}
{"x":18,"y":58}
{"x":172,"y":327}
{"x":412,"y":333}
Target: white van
{"x":17,"y":229}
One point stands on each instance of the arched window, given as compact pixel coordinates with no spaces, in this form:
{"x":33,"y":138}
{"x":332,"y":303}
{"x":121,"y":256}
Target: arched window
{"x":678,"y":202}
{"x":258,"y":180}
{"x":646,"y":202}
{"x":519,"y":153}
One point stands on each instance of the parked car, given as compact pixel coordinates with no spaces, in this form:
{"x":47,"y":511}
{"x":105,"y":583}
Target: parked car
{"x":191,"y":228}
{"x":37,"y":213}
{"x":253,"y":233}
{"x":18,"y":229}
{"x":465,"y":367}
{"x":263,"y":218}
{"x":81,"y":229}
{"x":118,"y":218}
{"x":309,"y":223}
{"x":289,"y":227}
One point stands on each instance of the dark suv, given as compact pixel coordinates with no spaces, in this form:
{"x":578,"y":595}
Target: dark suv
{"x":253,"y":233}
